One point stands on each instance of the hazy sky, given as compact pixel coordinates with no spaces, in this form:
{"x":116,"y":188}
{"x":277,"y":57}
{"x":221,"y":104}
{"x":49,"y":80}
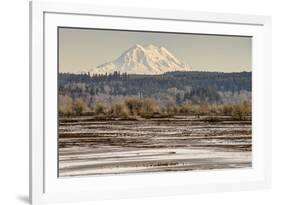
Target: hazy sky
{"x":84,"y":49}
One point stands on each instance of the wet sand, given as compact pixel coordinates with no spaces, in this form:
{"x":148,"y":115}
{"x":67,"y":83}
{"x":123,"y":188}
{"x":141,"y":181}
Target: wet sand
{"x":182,"y":143}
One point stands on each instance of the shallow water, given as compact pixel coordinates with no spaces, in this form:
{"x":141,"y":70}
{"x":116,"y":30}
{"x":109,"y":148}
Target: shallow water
{"x":181,"y":143}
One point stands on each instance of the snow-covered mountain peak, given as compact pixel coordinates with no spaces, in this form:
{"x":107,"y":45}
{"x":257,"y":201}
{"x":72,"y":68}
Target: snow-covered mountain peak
{"x":148,"y":59}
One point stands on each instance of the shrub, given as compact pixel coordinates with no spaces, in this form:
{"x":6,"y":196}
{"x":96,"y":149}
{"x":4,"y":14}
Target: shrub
{"x":227,"y":109}
{"x":240,"y":111}
{"x":79,"y":106}
{"x":120,"y":110}
{"x":65,"y":105}
{"x":247,"y":108}
{"x":100,"y":108}
{"x":214,"y":109}
{"x":163,"y":110}
{"x":186,"y":108}
{"x":237,"y":112}
{"x":149,"y":107}
{"x":134,"y":105}
{"x":171,"y":109}
{"x":203,"y":109}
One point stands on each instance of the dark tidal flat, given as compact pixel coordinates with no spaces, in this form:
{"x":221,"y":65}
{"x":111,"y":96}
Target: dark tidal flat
{"x":181,"y":143}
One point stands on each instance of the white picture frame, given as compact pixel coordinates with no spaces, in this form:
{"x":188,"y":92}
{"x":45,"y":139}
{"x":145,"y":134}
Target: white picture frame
{"x":46,"y":187}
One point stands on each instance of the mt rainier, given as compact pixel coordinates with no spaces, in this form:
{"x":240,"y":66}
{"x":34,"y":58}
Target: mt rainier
{"x":149,"y":60}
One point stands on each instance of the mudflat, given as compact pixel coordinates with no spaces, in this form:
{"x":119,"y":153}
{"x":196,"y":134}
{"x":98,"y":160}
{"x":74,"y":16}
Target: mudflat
{"x":88,"y":146}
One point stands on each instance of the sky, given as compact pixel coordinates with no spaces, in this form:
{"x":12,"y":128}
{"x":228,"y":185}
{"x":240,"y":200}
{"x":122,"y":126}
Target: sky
{"x":81,"y":50}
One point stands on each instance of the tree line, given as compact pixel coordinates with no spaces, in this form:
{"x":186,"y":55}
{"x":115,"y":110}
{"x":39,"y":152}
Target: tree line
{"x":134,"y":108}
{"x":205,"y":85}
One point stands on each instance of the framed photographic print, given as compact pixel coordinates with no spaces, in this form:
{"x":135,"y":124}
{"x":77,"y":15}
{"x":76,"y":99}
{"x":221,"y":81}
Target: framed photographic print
{"x":129,"y":102}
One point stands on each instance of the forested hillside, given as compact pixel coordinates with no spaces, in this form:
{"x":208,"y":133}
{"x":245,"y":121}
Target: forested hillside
{"x":178,"y":87}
